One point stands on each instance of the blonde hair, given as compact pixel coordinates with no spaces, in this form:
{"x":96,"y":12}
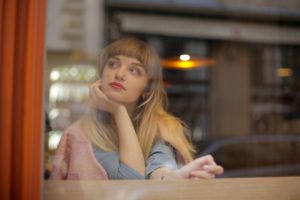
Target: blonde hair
{"x":151,"y":110}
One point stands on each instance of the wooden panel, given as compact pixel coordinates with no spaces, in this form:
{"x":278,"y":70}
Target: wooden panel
{"x":33,"y":101}
{"x":6,"y":90}
{"x":21,"y":87}
{"x":285,"y":188}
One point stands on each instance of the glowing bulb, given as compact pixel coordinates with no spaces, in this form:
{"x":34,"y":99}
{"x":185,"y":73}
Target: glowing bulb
{"x":53,"y":113}
{"x":54,"y":76}
{"x":284,"y":72}
{"x":184,"y":57}
{"x":54,"y":138}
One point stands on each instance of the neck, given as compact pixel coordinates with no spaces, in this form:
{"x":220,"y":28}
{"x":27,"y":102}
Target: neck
{"x":130,"y":109}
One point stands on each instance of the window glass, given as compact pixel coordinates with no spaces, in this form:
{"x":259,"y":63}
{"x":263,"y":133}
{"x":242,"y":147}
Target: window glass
{"x":231,"y":72}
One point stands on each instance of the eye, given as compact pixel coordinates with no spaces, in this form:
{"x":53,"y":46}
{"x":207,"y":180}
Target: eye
{"x":135,"y":71}
{"x":112,"y":64}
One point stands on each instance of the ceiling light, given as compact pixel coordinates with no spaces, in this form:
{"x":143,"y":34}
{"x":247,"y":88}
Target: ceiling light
{"x":184,"y":57}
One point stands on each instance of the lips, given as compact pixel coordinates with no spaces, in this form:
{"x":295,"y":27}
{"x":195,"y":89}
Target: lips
{"x":117,"y":86}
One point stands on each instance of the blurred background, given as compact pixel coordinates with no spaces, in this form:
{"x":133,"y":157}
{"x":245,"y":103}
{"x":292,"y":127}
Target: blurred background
{"x":231,"y":68}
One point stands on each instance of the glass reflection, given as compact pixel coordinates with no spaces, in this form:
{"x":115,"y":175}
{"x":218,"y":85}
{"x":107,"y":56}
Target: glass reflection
{"x":243,"y":107}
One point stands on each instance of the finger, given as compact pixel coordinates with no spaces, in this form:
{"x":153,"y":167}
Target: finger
{"x":92,"y":92}
{"x":97,"y":91}
{"x":205,"y":160}
{"x":98,"y":82}
{"x":214,"y":169}
{"x":94,"y":97}
{"x":201,"y":174}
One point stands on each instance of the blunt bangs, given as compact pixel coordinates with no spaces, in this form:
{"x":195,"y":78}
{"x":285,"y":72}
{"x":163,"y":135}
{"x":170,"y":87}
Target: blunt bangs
{"x":137,"y":49}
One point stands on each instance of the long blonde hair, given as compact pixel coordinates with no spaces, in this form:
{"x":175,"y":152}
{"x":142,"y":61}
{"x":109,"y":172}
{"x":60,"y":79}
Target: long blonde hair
{"x":150,"y":112}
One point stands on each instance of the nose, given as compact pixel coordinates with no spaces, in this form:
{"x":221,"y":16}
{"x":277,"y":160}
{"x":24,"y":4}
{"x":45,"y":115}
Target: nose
{"x":120,"y":73}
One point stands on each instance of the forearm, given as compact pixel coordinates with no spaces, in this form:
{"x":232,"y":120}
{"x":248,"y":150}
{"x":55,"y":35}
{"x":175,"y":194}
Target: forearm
{"x":200,"y":168}
{"x":165,"y":173}
{"x":129,"y":147}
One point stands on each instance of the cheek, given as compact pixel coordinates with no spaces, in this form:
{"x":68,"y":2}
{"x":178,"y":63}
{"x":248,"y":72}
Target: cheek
{"x":138,"y":92}
{"x":104,"y":81}
{"x":140,"y":88}
{"x":106,"y":76}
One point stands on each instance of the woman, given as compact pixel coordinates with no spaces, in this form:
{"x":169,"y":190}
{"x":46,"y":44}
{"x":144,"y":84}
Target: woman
{"x":133,"y":136}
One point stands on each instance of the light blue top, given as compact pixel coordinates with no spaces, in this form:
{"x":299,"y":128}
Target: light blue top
{"x":162,"y":155}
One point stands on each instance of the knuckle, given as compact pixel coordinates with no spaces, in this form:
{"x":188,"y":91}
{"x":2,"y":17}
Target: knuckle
{"x":210,"y":157}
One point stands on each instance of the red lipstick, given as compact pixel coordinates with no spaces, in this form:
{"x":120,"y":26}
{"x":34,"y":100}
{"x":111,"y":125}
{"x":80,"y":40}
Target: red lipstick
{"x":117,"y":86}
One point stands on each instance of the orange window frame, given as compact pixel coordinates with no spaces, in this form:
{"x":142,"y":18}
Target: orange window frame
{"x":22,"y":54}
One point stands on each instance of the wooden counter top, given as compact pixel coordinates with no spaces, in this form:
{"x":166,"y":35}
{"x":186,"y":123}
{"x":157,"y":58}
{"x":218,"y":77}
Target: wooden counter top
{"x":273,"y":188}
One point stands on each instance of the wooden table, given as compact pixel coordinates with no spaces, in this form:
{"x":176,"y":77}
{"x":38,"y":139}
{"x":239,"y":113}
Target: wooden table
{"x":273,"y":188}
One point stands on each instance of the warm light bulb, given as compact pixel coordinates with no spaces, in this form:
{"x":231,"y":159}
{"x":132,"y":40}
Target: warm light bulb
{"x":184,"y":57}
{"x":284,"y":72}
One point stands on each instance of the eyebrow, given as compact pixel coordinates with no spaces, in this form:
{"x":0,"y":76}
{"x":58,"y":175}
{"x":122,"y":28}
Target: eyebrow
{"x":138,"y":64}
{"x":114,"y":57}
{"x":133,"y":63}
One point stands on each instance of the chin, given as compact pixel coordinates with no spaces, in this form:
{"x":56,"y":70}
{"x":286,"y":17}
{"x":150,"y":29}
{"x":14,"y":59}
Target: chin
{"x":119,"y":98}
{"x":114,"y":97}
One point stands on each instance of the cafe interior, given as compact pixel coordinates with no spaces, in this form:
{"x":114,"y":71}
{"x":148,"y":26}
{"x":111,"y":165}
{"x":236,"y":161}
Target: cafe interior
{"x":231,"y":72}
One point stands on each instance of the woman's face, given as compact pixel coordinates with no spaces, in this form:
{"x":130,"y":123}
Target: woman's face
{"x":124,"y":79}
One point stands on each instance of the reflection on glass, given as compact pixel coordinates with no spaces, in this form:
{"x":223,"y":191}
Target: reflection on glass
{"x":241,"y":101}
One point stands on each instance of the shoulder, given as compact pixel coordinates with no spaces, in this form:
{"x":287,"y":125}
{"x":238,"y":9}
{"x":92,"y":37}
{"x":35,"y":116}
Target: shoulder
{"x":161,"y":144}
{"x":75,"y":129}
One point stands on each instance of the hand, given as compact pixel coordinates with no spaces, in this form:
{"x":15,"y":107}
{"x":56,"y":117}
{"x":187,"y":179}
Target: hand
{"x":201,"y":168}
{"x":99,"y":100}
